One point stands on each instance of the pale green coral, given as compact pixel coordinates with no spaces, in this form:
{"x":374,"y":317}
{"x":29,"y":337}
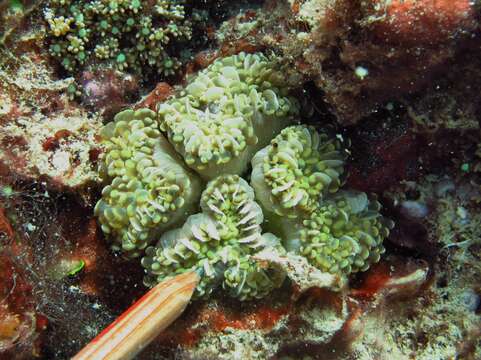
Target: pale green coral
{"x":219,"y":244}
{"x":297,"y":180}
{"x":192,"y":247}
{"x":130,"y":34}
{"x":149,"y":191}
{"x":226,"y":113}
{"x":215,"y":126}
{"x":343,"y":235}
{"x":229,"y":200}
{"x":297,"y":169}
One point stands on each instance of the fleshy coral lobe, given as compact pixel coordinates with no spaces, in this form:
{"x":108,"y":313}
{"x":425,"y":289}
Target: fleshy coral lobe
{"x":226,"y":113}
{"x":150,"y":190}
{"x":219,"y":244}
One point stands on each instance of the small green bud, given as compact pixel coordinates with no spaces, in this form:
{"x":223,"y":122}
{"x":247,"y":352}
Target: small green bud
{"x":76,"y":267}
{"x":72,"y":88}
{"x":16,"y":5}
{"x":56,"y":48}
{"x":121,"y":58}
{"x":7,"y":191}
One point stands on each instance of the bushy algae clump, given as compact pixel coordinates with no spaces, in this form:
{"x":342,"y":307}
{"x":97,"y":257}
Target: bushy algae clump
{"x":131,"y":34}
{"x":234,"y":112}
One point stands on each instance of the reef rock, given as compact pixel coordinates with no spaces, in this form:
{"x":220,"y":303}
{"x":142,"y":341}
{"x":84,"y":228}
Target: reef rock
{"x":359,"y":54}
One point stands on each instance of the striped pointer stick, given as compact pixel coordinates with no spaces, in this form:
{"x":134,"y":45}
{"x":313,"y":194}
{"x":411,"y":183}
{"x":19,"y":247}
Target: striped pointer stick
{"x":130,"y":333}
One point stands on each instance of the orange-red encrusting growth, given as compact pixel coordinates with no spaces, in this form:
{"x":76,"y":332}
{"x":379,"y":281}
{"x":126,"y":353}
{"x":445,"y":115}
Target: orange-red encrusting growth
{"x":160,"y":93}
{"x":262,"y":317}
{"x":52,"y":142}
{"x":5,"y":226}
{"x":423,"y":21}
{"x":394,"y":277}
{"x":375,"y":280}
{"x":20,"y":325}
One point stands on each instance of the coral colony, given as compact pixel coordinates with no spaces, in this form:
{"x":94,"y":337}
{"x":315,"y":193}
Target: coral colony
{"x":233,"y":112}
{"x":131,"y":34}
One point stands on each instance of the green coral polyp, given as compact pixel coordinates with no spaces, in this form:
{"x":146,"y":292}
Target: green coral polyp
{"x":296,"y":170}
{"x":343,"y":235}
{"x":130,"y":138}
{"x":230,"y":201}
{"x":150,"y":190}
{"x":226,"y":113}
{"x":214,"y":243}
{"x":81,"y":32}
{"x":246,"y":279}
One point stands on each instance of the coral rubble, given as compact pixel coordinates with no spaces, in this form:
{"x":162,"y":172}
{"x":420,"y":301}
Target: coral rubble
{"x":43,"y":134}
